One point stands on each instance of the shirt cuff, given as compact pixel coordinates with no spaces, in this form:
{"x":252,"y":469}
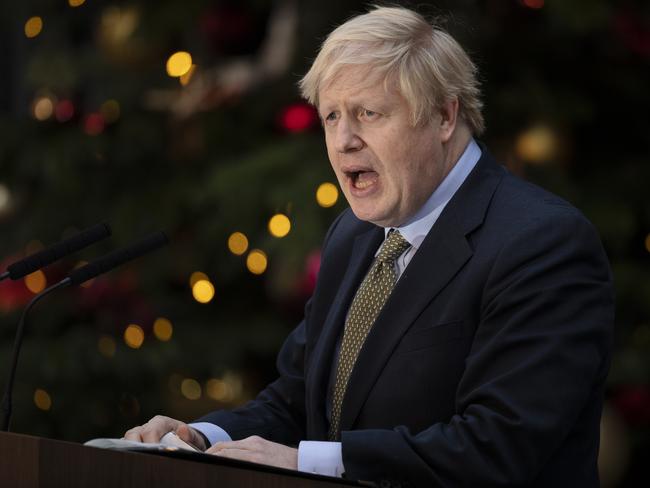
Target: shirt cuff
{"x":321,"y":457}
{"x":212,"y":432}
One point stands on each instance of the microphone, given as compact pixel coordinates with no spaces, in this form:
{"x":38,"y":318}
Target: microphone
{"x":114,"y":259}
{"x":56,"y":251}
{"x":77,"y":277}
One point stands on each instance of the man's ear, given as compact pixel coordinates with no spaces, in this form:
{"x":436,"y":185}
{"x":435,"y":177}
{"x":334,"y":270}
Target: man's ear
{"x":448,"y":119}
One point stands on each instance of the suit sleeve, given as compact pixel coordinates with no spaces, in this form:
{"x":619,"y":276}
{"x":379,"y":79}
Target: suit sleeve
{"x":540,"y":354}
{"x":278,"y":412}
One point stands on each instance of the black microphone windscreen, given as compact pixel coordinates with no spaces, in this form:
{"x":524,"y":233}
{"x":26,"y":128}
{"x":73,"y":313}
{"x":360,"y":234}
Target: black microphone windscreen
{"x":115,"y":258}
{"x":57,"y":251}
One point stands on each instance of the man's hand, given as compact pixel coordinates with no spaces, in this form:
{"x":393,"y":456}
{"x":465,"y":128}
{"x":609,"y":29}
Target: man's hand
{"x":158,"y":426}
{"x":258,"y":450}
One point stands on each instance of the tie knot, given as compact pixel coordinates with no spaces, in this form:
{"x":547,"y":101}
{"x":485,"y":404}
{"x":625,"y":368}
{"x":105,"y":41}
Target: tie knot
{"x":393,"y":247}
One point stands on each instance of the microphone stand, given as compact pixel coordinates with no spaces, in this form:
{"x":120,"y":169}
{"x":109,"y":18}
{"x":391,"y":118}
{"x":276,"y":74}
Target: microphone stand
{"x":7,"y":399}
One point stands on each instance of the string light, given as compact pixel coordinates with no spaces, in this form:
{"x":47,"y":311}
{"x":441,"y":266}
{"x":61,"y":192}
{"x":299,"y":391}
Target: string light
{"x":187,"y":77}
{"x":196,"y":276}
{"x":279,"y":225}
{"x":33,"y":27}
{"x":162,"y":329}
{"x":327,"y":195}
{"x":110,"y":110}
{"x":256,"y":261}
{"x":534,"y":4}
{"x":36,"y":281}
{"x":134,"y":336}
{"x":43,"y":108}
{"x":237,"y":243}
{"x":94,"y":124}
{"x":106,"y":346}
{"x":64,"y":110}
{"x":179,"y":64}
{"x":537,"y":145}
{"x":191,"y":389}
{"x":42,"y":399}
{"x":219,"y":390}
{"x":203,"y":291}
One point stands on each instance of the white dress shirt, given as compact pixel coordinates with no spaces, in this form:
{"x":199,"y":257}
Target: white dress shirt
{"x":323,"y":457}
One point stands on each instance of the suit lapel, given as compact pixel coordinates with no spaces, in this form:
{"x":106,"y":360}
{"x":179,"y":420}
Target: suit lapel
{"x":442,"y":254}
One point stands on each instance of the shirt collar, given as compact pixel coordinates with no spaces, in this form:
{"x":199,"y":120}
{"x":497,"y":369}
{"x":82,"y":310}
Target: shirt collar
{"x":418,"y":226}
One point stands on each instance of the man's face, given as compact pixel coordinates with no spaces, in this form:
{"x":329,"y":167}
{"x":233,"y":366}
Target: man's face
{"x":387,"y":168}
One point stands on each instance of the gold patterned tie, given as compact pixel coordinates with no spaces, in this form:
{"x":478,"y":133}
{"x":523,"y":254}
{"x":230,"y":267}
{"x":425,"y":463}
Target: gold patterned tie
{"x":366,"y":305}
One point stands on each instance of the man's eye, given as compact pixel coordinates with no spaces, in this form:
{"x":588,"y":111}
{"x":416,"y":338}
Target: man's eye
{"x":370,"y":114}
{"x":330,"y":117}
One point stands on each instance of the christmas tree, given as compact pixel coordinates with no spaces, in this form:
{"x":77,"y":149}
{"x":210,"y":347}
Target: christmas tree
{"x":186,"y":117}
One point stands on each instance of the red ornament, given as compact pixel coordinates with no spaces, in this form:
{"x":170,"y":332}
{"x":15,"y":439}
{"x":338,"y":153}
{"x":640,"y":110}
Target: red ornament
{"x":94,"y":124}
{"x":633,"y":403}
{"x":64,"y":110}
{"x":298,"y":117}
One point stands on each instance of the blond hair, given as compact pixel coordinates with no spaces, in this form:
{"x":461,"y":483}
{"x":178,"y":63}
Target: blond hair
{"x":429,"y":66}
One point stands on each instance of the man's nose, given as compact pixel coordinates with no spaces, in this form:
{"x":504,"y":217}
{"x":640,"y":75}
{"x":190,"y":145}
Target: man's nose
{"x":347,"y":136}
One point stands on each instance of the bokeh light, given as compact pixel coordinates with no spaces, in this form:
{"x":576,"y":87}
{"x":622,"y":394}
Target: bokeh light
{"x":537,"y":145}
{"x":187,"y":77}
{"x":43,"y":108}
{"x":33,"y":26}
{"x":106,"y":346}
{"x":256,"y":261}
{"x":237,"y":243}
{"x":279,"y":225}
{"x":94,"y":124}
{"x":64,"y":110}
{"x":134,"y":336}
{"x":219,"y":390}
{"x":191,"y":389}
{"x":42,"y":400}
{"x":534,"y":4}
{"x":76,"y":3}
{"x":298,"y":117}
{"x":36,"y":281}
{"x":203,"y":291}
{"x":110,"y":110}
{"x":179,"y":64}
{"x":197,"y":276}
{"x":647,"y":243}
{"x":327,"y":195}
{"x":163,"y":329}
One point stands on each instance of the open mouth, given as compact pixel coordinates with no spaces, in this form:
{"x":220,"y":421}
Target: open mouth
{"x":362,"y":179}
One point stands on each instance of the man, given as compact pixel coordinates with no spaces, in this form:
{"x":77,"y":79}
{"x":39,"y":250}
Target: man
{"x":460,"y":330}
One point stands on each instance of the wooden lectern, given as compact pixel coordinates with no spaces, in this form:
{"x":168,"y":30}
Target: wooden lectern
{"x":31,"y":462}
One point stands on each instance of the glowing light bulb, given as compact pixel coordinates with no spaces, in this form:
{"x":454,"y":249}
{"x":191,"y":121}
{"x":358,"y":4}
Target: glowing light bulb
{"x":256,"y":261}
{"x":279,"y":225}
{"x":203,"y":291}
{"x":42,"y":399}
{"x":179,"y":64}
{"x":36,"y":281}
{"x":191,"y":389}
{"x":162,"y":329}
{"x":327,"y":195}
{"x":33,"y":26}
{"x":134,"y":336}
{"x":237,"y":243}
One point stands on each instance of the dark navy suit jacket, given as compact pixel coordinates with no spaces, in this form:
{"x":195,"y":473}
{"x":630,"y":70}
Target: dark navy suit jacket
{"x":487,"y":364}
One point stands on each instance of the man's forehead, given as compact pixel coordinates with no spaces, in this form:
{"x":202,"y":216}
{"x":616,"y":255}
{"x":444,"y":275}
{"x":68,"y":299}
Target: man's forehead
{"x":356,"y":81}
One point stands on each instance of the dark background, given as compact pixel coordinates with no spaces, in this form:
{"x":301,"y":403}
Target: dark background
{"x":93,"y":129}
